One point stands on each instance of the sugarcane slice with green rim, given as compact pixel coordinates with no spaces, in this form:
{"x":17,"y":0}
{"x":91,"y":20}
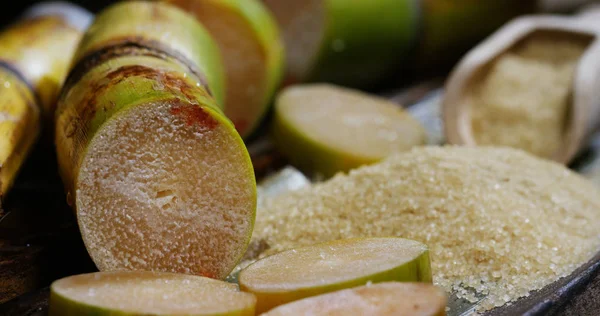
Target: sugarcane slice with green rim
{"x":252,"y":53}
{"x":383,"y":299}
{"x":146,"y":293}
{"x":324,"y":129}
{"x":353,"y":43}
{"x":159,"y":177}
{"x":308,"y":271}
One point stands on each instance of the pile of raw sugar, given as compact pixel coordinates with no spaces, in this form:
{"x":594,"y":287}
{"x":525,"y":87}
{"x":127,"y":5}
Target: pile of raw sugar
{"x":499,"y":221}
{"x":523,"y":101}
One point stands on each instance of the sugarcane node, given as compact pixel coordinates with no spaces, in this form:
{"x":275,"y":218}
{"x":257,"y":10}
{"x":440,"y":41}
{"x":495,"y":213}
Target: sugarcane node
{"x":33,"y":104}
{"x":8,"y":66}
{"x":131,"y":46}
{"x":71,"y":127}
{"x":171,"y":81}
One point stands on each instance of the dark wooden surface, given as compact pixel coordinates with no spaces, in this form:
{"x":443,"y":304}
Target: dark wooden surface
{"x":39,"y":239}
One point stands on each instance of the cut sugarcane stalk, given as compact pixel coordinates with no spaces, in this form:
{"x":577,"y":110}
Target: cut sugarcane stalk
{"x":147,"y":293}
{"x":383,"y":299}
{"x":354,"y":43}
{"x":324,"y":129}
{"x":295,"y":274}
{"x":34,"y":57}
{"x":19,"y":126}
{"x":252,"y":53}
{"x":159,"y":178}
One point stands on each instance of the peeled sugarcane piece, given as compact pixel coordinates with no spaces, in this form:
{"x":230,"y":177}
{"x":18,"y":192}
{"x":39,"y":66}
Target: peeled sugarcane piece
{"x":147,"y":293}
{"x":383,"y":299}
{"x":298,"y":273}
{"x":34,"y":57}
{"x":159,"y":178}
{"x":354,"y":43}
{"x":252,"y":54}
{"x":449,"y":28}
{"x":324,"y":129}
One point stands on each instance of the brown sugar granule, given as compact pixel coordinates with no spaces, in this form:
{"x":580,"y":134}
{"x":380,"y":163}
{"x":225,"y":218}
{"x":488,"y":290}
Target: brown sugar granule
{"x":498,"y":221}
{"x":523,"y":100}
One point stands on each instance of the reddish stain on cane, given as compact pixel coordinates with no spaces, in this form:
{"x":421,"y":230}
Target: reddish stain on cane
{"x":194,"y":115}
{"x":208,"y":275}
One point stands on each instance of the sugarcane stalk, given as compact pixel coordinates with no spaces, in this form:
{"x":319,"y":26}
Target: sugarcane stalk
{"x":252,"y":52}
{"x":156,"y":27}
{"x":158,"y":176}
{"x":35,"y":54}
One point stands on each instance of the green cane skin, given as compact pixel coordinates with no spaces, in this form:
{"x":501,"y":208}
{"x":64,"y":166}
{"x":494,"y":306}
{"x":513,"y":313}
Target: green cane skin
{"x":63,"y":306}
{"x":266,"y":29}
{"x":309,"y":155}
{"x":60,"y":305}
{"x":158,"y":24}
{"x":364,"y":41}
{"x":411,"y":272}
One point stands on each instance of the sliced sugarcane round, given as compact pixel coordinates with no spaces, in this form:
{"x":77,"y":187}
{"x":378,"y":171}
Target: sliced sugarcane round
{"x":383,"y":299}
{"x":159,"y":177}
{"x":353,"y":43}
{"x":324,"y":129}
{"x":252,"y":53}
{"x":146,"y":293}
{"x":295,"y":274}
